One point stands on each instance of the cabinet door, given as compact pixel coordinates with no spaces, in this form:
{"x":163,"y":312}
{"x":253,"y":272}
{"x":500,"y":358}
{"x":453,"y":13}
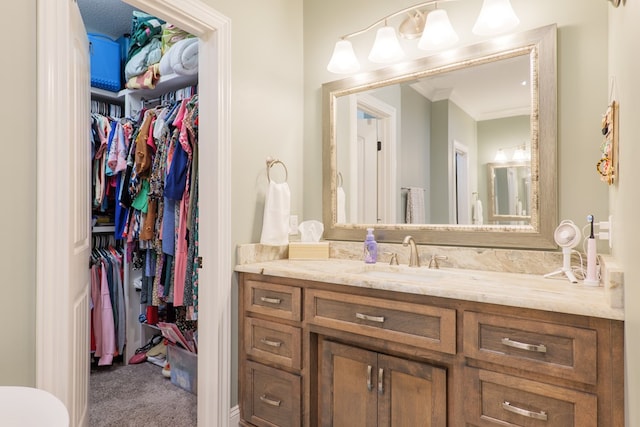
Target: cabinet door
{"x":347,"y":386}
{"x":364,"y":388}
{"x":410,"y":394}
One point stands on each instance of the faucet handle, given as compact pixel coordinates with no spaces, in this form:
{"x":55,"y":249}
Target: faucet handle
{"x":394,"y":259}
{"x":433,"y":262}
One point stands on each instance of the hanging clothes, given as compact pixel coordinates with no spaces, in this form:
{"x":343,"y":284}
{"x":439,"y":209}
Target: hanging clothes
{"x":159,"y":190}
{"x":108,"y":327}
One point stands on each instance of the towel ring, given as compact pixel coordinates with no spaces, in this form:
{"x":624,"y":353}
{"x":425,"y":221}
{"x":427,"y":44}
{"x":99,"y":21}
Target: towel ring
{"x":270,"y":163}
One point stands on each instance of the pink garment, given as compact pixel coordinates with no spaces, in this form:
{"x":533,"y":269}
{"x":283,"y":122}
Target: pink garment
{"x":180,"y":257}
{"x":150,"y":142}
{"x":118,"y":152}
{"x":96,"y":310}
{"x":108,"y":328}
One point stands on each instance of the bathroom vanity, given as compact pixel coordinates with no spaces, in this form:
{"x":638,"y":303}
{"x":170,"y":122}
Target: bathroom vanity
{"x":338,"y":343}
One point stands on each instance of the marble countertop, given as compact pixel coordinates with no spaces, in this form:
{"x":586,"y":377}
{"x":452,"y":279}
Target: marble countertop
{"x":510,"y":289}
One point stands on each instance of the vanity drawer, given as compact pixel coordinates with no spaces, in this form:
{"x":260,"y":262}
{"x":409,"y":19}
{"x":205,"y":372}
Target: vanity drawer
{"x":271,"y":397}
{"x":494,"y":399}
{"x":275,"y":300}
{"x":418,"y":325}
{"x":562,"y":351}
{"x":273,"y":342}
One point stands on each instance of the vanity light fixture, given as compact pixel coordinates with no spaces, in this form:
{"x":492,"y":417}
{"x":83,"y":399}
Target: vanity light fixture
{"x":520,"y":154}
{"x":496,"y":16}
{"x":433,"y":27}
{"x":500,"y":156}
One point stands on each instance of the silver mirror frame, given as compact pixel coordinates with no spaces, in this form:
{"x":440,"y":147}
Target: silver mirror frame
{"x":493,"y":196}
{"x":541,"y":45}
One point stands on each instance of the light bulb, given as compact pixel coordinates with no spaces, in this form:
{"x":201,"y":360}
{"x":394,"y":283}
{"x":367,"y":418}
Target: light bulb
{"x":386,"y":47}
{"x":496,"y":16}
{"x":438,"y":32}
{"x":343,"y":60}
{"x":500,"y":156}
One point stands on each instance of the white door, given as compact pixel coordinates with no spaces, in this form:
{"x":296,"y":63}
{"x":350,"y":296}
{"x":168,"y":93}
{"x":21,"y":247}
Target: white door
{"x":64,"y":238}
{"x":63,"y":233}
{"x":368,"y":170}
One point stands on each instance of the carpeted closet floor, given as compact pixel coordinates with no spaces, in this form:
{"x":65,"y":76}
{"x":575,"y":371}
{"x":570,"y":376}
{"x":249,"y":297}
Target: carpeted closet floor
{"x":138,"y":395}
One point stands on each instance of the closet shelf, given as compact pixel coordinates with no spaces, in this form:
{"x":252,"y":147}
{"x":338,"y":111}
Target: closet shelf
{"x":165,"y":84}
{"x":106,"y":95}
{"x":168,"y":83}
{"x":103,"y":229}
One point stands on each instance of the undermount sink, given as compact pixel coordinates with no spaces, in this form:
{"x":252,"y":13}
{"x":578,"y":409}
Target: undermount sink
{"x":402,"y":273}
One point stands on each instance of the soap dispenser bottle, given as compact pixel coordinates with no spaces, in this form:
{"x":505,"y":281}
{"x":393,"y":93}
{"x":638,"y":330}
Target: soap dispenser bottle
{"x":370,"y":248}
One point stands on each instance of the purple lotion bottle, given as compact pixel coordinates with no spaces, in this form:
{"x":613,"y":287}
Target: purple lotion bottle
{"x":370,"y":248}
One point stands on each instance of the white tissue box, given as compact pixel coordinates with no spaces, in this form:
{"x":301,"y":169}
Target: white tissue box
{"x":308,"y":250}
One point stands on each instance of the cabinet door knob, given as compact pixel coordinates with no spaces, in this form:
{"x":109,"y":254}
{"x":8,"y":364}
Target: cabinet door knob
{"x":507,"y":406}
{"x":369,"y":382}
{"x":380,"y":381}
{"x":538,"y":348}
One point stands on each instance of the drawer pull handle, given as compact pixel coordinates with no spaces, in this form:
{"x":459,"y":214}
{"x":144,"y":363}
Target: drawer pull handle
{"x":271,"y":300}
{"x":268,"y":401}
{"x":369,"y":382}
{"x":379,"y":319}
{"x":539,"y":348}
{"x":270,"y":343}
{"x":507,"y":406}
{"x":380,"y":381}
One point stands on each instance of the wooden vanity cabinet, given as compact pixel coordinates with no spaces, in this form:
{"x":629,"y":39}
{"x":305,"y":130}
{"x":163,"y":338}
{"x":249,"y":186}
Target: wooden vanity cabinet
{"x":361,"y":388}
{"x":270,"y":352}
{"x":320,"y":354}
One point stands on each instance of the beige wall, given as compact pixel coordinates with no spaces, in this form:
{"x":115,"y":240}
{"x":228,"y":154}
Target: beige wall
{"x":18,"y":213}
{"x":624,"y":197}
{"x":266,"y":116}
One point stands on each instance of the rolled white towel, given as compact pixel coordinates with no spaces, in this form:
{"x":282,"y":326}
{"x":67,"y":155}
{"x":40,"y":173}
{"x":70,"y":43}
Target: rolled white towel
{"x":165,"y":64}
{"x":341,"y":206}
{"x":188,"y":61}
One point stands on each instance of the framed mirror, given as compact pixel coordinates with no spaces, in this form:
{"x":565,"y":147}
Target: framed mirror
{"x":406,"y":148}
{"x":509,"y":193}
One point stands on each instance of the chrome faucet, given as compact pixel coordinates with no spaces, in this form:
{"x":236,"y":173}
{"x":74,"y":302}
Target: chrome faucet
{"x":414,"y":259}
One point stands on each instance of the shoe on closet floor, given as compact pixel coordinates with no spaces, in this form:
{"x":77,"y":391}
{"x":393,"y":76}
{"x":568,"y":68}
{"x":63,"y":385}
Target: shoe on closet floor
{"x":166,"y":370}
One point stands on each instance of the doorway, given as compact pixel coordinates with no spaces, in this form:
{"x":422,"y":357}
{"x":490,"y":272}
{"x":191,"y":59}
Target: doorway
{"x":62,"y":315}
{"x":461,"y":197}
{"x":373,"y":147}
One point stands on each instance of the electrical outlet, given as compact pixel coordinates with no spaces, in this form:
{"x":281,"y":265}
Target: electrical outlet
{"x":605,"y":229}
{"x":293,"y":224}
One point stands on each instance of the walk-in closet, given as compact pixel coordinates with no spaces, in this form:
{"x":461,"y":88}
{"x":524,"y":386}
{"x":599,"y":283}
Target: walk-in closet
{"x":145,"y":214}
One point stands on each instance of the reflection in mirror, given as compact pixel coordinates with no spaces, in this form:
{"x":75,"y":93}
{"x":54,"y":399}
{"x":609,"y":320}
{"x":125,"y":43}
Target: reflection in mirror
{"x":509,"y":192}
{"x":412,"y":146}
{"x":446,"y":123}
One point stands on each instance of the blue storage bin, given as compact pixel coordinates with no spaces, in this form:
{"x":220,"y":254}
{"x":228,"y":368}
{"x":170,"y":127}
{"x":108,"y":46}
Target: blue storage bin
{"x":106,"y":64}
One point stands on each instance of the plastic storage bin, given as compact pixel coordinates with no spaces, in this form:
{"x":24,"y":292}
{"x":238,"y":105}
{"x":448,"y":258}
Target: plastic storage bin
{"x":105,"y":62}
{"x":184,"y":368}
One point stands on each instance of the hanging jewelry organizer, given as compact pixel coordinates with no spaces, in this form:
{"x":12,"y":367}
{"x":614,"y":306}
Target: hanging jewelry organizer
{"x":608,"y":164}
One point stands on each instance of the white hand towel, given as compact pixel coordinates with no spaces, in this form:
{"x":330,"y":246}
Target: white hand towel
{"x":477,"y":213}
{"x":415,"y":205}
{"x":341,"y":206}
{"x":277,"y":209}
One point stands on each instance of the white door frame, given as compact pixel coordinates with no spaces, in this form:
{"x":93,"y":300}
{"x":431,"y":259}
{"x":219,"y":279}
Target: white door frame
{"x":387,"y":175}
{"x":455,"y":147}
{"x":53,"y":107}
